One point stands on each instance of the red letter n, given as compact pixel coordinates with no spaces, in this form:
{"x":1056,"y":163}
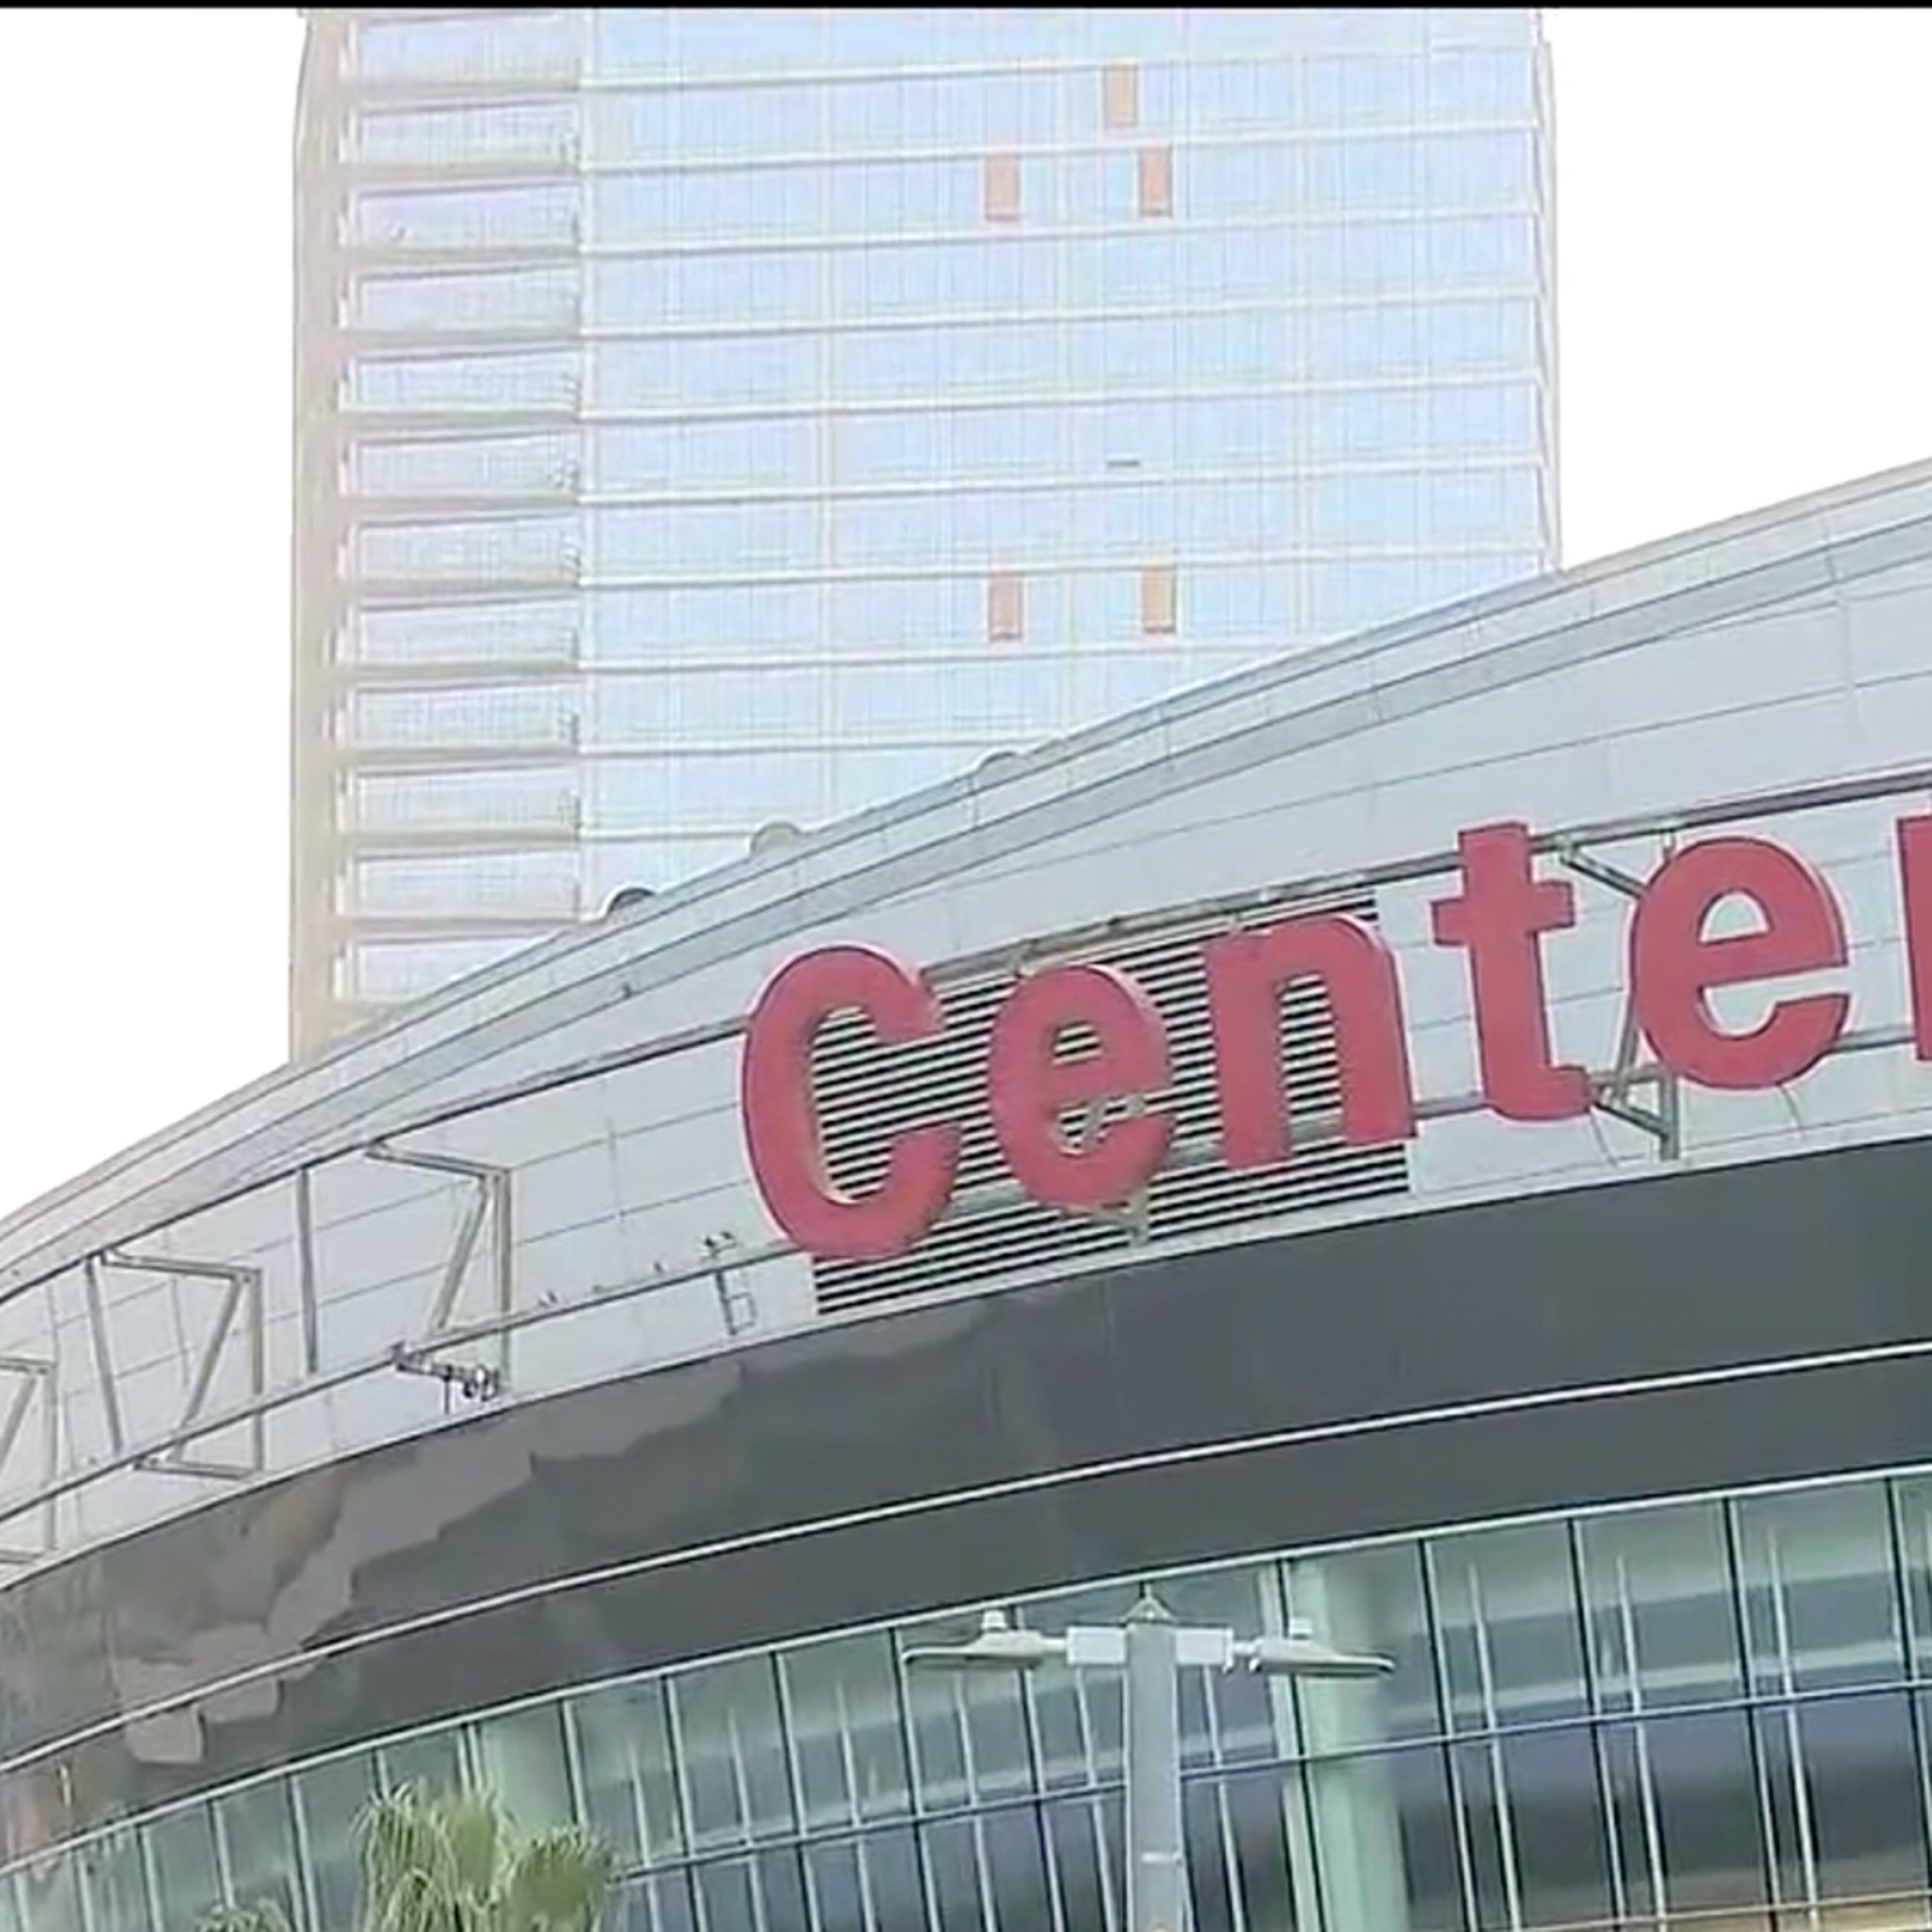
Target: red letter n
{"x":1246,"y":971}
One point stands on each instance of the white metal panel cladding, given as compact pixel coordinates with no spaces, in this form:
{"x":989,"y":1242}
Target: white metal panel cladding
{"x":866,"y":1093}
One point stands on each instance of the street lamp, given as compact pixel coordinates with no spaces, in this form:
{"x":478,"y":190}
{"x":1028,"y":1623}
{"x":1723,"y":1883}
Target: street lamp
{"x":1151,"y":1650}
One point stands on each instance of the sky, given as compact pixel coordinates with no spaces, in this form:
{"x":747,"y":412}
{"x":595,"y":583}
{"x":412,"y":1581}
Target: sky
{"x":1740,"y":319}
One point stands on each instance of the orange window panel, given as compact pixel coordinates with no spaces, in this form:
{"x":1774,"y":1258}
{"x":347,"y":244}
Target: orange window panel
{"x":1001,"y":188}
{"x":1157,"y":180}
{"x":1120,"y":98}
{"x":1006,"y":608}
{"x":1159,"y":601}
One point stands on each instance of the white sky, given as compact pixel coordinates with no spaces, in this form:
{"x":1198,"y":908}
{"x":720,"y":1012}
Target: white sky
{"x":1742,"y":318}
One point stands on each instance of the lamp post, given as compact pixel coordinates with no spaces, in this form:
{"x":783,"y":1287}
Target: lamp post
{"x":1150,"y":1649}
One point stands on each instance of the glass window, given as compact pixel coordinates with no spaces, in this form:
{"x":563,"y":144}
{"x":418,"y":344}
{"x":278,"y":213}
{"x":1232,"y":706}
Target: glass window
{"x":846,"y":1727}
{"x":522,"y":131}
{"x":115,"y":1881}
{"x":988,"y":1874}
{"x":1536,"y":1835}
{"x":732,"y":1748}
{"x":532,"y":547}
{"x":509,"y":298}
{"x":1368,"y":1601}
{"x":497,"y":47}
{"x":969,"y":1728}
{"x":539,"y":884}
{"x":762,"y":1894}
{"x":257,"y":1826}
{"x":1006,"y":608}
{"x":186,"y":1869}
{"x":722,"y":288}
{"x":479,"y":467}
{"x":866,"y":1884}
{"x":1485,"y":170}
{"x":1844,"y":1800}
{"x":432,"y":1759}
{"x":49,"y":1899}
{"x":1685,"y":1814}
{"x":650,"y":627}
{"x":525,"y":380}
{"x":1156,"y":181}
{"x":1820,"y":1597}
{"x":1229,"y":1716}
{"x":1512,"y":1646}
{"x":1374,"y":1842}
{"x":1077,"y":1715}
{"x":660,"y":1903}
{"x":1084,"y":1847}
{"x":705,"y":538}
{"x":681,"y":709}
{"x":1000,"y":188}
{"x":703,"y":372}
{"x":1663,"y":1622}
{"x":520,"y":1757}
{"x":448,"y":801}
{"x":533,"y":715}
{"x":1211,"y":1882}
{"x":1471,"y":84}
{"x":330,"y":1798}
{"x":1159,"y":602}
{"x":1912,"y":1506}
{"x":1244,"y":1833}
{"x":622,"y":1740}
{"x":529,"y":216}
{"x":530,"y":630}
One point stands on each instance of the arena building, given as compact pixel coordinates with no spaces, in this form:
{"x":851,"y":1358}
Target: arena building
{"x":1426,"y":1137}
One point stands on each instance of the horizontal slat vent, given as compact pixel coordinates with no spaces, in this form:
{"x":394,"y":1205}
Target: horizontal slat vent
{"x":867,"y":1094}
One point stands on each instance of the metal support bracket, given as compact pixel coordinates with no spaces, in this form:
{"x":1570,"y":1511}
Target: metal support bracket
{"x":737,"y":1305}
{"x":1131,"y":1217}
{"x":31,"y":1377}
{"x":243,"y":1303}
{"x":1630,"y":1069}
{"x":490,"y":1209}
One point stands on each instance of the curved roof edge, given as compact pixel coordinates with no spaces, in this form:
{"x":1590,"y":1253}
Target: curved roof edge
{"x":1755,"y":541}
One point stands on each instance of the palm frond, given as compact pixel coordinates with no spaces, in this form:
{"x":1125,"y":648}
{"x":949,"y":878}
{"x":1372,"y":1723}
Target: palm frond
{"x":475,"y":1835}
{"x":421,"y":1902}
{"x":263,"y":1915}
{"x":405,"y":1858}
{"x":558,"y":1881}
{"x":450,"y":1862}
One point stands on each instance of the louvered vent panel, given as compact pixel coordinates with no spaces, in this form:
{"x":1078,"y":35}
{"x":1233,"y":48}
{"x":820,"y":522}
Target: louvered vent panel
{"x":867,"y":1094}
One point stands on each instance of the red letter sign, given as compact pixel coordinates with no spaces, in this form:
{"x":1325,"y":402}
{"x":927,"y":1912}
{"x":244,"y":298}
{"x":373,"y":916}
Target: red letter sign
{"x":1915,"y":889}
{"x":1499,"y":917}
{"x":1031,"y":1085}
{"x":781,"y":1129}
{"x":1672,"y":966}
{"x":1246,"y":971}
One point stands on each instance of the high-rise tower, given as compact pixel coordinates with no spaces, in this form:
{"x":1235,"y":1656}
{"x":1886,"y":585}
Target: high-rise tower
{"x":710,"y":417}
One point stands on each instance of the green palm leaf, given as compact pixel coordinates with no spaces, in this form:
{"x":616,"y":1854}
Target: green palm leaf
{"x":451,"y":1862}
{"x":264,"y":1916}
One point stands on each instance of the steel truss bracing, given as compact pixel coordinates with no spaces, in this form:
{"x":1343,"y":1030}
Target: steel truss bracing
{"x":479,"y":1301}
{"x":30,"y":1395}
{"x":489,"y":1205}
{"x":240,"y":1314}
{"x":1628,"y":1073}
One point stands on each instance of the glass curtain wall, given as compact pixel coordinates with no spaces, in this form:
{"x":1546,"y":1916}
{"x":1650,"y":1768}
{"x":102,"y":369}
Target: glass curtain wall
{"x":716,"y":417}
{"x":1707,"y":1714}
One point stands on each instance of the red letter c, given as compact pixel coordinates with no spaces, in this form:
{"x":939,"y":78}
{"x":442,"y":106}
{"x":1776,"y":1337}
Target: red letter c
{"x":781,"y":1127}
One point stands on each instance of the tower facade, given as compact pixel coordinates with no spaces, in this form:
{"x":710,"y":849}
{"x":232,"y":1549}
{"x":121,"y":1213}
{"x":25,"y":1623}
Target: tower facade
{"x":714,"y":418}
